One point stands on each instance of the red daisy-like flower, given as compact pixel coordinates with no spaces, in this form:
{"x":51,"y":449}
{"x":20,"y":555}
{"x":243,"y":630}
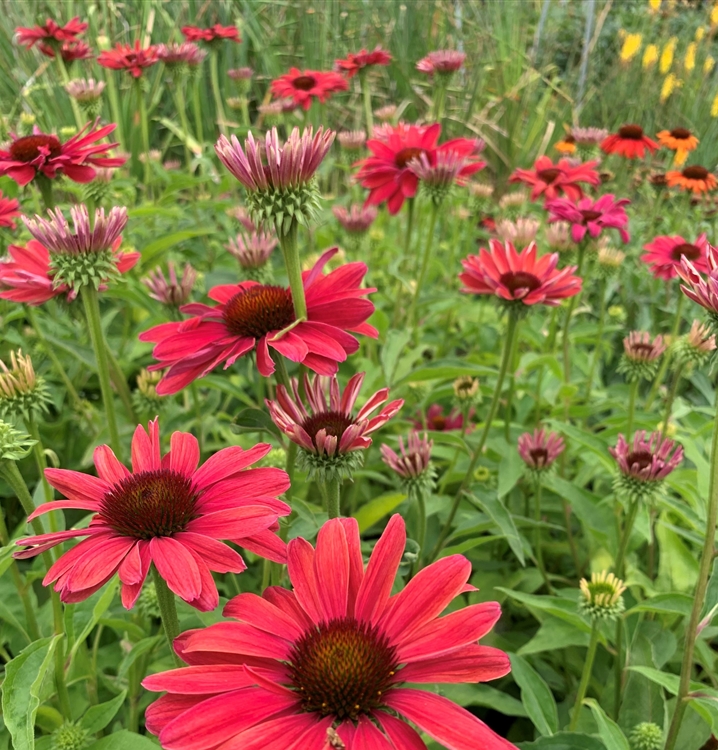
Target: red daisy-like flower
{"x":69,"y":51}
{"x":518,"y":277}
{"x":50,"y":32}
{"x":388,"y":173}
{"x":211,"y":34}
{"x":8,"y":211}
{"x":253,"y":316}
{"x":132,"y":59}
{"x":166,"y":511}
{"x":26,"y":276}
{"x":301,"y":86}
{"x":589,"y":216}
{"x":355,"y":62}
{"x":437,"y":421}
{"x":325,"y":665}
{"x":443,"y":61}
{"x":551,"y":180}
{"x":665,"y":253}
{"x":630,"y":141}
{"x":41,"y":153}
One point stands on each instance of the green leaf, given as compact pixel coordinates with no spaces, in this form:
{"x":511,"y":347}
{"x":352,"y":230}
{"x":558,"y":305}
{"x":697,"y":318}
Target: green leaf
{"x":594,"y":516}
{"x":169,"y":240}
{"x":447,"y":372}
{"x":146,"y":645}
{"x":470,"y":694}
{"x":7,"y":615}
{"x":536,"y":696}
{"x":459,"y":549}
{"x":564,"y":741}
{"x":511,"y":470}
{"x":671,"y":682}
{"x":124,"y":740}
{"x":256,"y":420}
{"x":678,"y":604}
{"x":394,"y":345}
{"x":85,"y":615}
{"x":580,"y":437}
{"x":98,"y":717}
{"x":377,"y":508}
{"x":491,"y":505}
{"x":24,"y":676}
{"x":551,"y":632}
{"x":611,"y":734}
{"x":553,"y":605}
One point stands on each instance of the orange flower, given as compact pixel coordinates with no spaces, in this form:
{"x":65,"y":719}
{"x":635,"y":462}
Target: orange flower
{"x":695,"y":178}
{"x":566,"y":146}
{"x":680,"y":140}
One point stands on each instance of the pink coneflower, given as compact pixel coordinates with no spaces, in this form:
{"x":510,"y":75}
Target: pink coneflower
{"x":702,"y":290}
{"x":132,"y":59}
{"x":352,"y":140}
{"x":386,"y":113}
{"x":240,"y":74}
{"x":177,"y":55}
{"x":639,"y":347}
{"x":323,"y":666}
{"x":415,"y":458}
{"x":44,"y":154}
{"x":8,"y":211}
{"x":558,"y":236}
{"x":519,"y":232}
{"x":446,"y":169}
{"x":69,"y":51}
{"x":216,"y":33}
{"x":357,"y":219}
{"x":51,"y":32}
{"x":166,"y":511}
{"x":27,"y":276}
{"x":443,"y":62}
{"x":327,"y":427}
{"x":302,"y":86}
{"x":591,"y":216}
{"x":172,"y":292}
{"x":253,"y":249}
{"x":518,"y":277}
{"x":630,"y":141}
{"x":85,"y":90}
{"x":253,"y":316}
{"x":551,"y":180}
{"x":355,"y":62}
{"x":645,"y":464}
{"x":436,"y":421}
{"x":665,"y":253}
{"x":540,"y":449}
{"x":241,"y":214}
{"x":588,"y":136}
{"x":700,"y":338}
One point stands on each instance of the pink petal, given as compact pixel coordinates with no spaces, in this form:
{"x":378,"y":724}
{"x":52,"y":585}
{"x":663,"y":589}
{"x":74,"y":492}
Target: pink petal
{"x":239,"y":638}
{"x":75,"y":485}
{"x":470,"y":663}
{"x":176,"y":565}
{"x":300,"y":565}
{"x":99,"y":561}
{"x":234,"y":522}
{"x":227,"y":463}
{"x":108,"y":467}
{"x":146,"y":448}
{"x":331,"y":570}
{"x":184,"y":453}
{"x":400,"y":733}
{"x":206,"y":679}
{"x":266,"y":544}
{"x":218,"y":556}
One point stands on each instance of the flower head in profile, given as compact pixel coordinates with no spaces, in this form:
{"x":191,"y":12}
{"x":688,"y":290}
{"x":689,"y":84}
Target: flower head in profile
{"x":168,"y":511}
{"x":69,"y":51}
{"x":519,"y":232}
{"x":27,"y":276}
{"x":695,"y":179}
{"x":587,"y":139}
{"x":212,"y":34}
{"x":352,"y":140}
{"x":448,"y":168}
{"x":303,"y":86}
{"x":696,"y":346}
{"x":241,"y":74}
{"x":254,"y":317}
{"x":610,"y":260}
{"x":539,"y":450}
{"x":8,"y":211}
{"x":253,"y":250}
{"x":558,"y":236}
{"x":680,"y":140}
{"x":444,"y":62}
{"x":356,"y":219}
{"x":643,"y":465}
{"x":88,"y":94}
{"x":436,"y":421}
{"x":630,"y":141}
{"x":23,"y":394}
{"x":326,"y":665}
{"x":413,"y":462}
{"x":132,"y":59}
{"x":665,"y":253}
{"x":51,"y":33}
{"x":326,"y":428}
{"x":641,"y":355}
{"x":591,"y":217}
{"x":357,"y":62}
{"x":552,"y":180}
{"x":387,"y":113}
{"x":518,"y":277}
{"x":278,"y":176}
{"x":178,"y":56}
{"x":172,"y":291}
{"x":702,"y":289}
{"x":601,"y":597}
{"x":44,"y":154}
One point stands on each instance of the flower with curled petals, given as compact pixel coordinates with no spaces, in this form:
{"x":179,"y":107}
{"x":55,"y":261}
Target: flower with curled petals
{"x":179,"y":56}
{"x":591,"y":217}
{"x":216,"y":33}
{"x":702,"y":289}
{"x":303,"y":86}
{"x":641,"y":355}
{"x":630,"y":141}
{"x":326,"y":665}
{"x":445,"y":62}
{"x":8,"y":211}
{"x":665,"y":253}
{"x":539,"y":450}
{"x":69,"y":51}
{"x":357,"y":62}
{"x":50,"y":33}
{"x":168,"y":511}
{"x":134,"y":60}
{"x":551,"y":180}
{"x":172,"y":291}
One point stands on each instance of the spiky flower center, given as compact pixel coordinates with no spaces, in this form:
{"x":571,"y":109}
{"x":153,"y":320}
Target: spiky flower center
{"x":334,"y":422}
{"x":304,"y":83}
{"x":404,"y":156}
{"x":342,"y":668}
{"x":640,"y":459}
{"x":27,"y":149}
{"x":680,"y":133}
{"x":686,"y":250}
{"x":590,"y":216}
{"x":695,"y":173}
{"x":548,"y":175}
{"x":631,"y":132}
{"x":151,"y":503}
{"x":516,"y":281}
{"x":257,"y":311}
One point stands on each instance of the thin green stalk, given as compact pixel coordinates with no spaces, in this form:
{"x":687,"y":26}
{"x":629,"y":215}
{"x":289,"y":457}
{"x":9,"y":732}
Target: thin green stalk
{"x":120,"y":382}
{"x":585,"y":676}
{"x":510,"y":394}
{"x":671,"y":398}
{"x":333,"y":489}
{"x":667,"y":356}
{"x":420,"y":498}
{"x":214,"y":75}
{"x":65,"y":80}
{"x":625,"y":538}
{"x":366,"y":96}
{"x":44,"y":184}
{"x":537,"y":536}
{"x":115,"y":109}
{"x":290,"y":253}
{"x":567,"y":323}
{"x":550,"y":348}
{"x":198,"y":413}
{"x":168,"y":612}
{"x":700,"y":593}
{"x":178,"y":89}
{"x":39,"y":453}
{"x":599,"y":340}
{"x":632,"y":393}
{"x":144,"y":125}
{"x":92,"y":313}
{"x":197,"y":107}
{"x":424,"y":263}
{"x":407,"y":243}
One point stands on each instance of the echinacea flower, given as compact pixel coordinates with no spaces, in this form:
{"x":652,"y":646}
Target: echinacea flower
{"x":241,"y":74}
{"x":466,"y":388}
{"x":23,"y":395}
{"x":325,"y":665}
{"x":352,"y":140}
{"x":386,"y":113}
{"x":134,"y":60}
{"x":609,"y":260}
{"x":253,"y":250}
{"x":551,"y":180}
{"x":356,"y":62}
{"x":665,"y":253}
{"x":641,"y":355}
{"x":518,"y":277}
{"x":326,"y":429}
{"x":168,"y":512}
{"x":695,"y":347}
{"x":69,"y":51}
{"x":50,"y":33}
{"x":558,"y":236}
{"x":539,"y":450}
{"x":172,"y":292}
{"x":303,"y":86}
{"x":702,"y":290}
{"x":601,"y":597}
{"x":178,"y":56}
{"x":443,"y":61}
{"x":588,"y":137}
{"x":40,"y":153}
{"x":680,"y":140}
{"x":630,"y":141}
{"x":251,"y":316}
{"x":592,"y":217}
{"x":216,"y":33}
{"x":8,"y":211}
{"x":695,"y":178}
{"x":519,"y":232}
{"x":448,"y":168}
{"x":436,"y":421}
{"x":27,"y":276}
{"x":85,"y":90}
{"x":413,"y":462}
{"x":357,"y":219}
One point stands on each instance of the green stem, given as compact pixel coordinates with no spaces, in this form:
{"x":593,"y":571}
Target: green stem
{"x":420,"y":498}
{"x":620,"y":563}
{"x":633,"y":392}
{"x":567,"y":323}
{"x":168,"y":612}
{"x":407,"y":243}
{"x":424,"y":263}
{"x":115,"y":109}
{"x":667,"y":356}
{"x":510,"y":394}
{"x":671,"y":398}
{"x":178,"y":88}
{"x":366,"y":96}
{"x":120,"y":382}
{"x":585,"y":676}
{"x":92,"y":313}
{"x":44,"y":184}
{"x":700,"y":593}
{"x":65,"y":80}
{"x":618,"y":665}
{"x":144,"y":125}
{"x":280,"y":373}
{"x":290,"y":253}
{"x":333,"y":489}
{"x":198,"y":413}
{"x":214,"y":75}
{"x":550,"y":349}
{"x":39,"y":453}
{"x":599,"y":340}
{"x":197,"y":107}
{"x":537,"y":536}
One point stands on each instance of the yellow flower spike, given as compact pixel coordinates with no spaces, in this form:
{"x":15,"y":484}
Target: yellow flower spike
{"x":689,"y":61}
{"x":631,"y":45}
{"x":655,"y":5}
{"x":700,"y":33}
{"x":650,"y":56}
{"x":670,"y":84}
{"x":714,"y":16}
{"x":714,"y":107}
{"x":708,"y":64}
{"x":667,"y":55}
{"x":680,"y":158}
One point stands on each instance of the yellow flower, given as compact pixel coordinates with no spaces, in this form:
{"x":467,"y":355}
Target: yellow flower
{"x":631,"y":45}
{"x":655,"y":5}
{"x":667,"y":55}
{"x":650,"y":56}
{"x":670,"y":84}
{"x":714,"y":16}
{"x":714,"y":108}
{"x":690,"y":60}
{"x":700,"y":33}
{"x":708,"y":64}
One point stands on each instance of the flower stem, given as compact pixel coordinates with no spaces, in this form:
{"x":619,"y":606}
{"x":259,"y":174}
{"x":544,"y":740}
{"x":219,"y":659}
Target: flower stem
{"x":198,"y":413}
{"x":585,"y":676}
{"x":633,"y":392}
{"x":599,"y":340}
{"x":366,"y":96}
{"x":667,"y":356}
{"x":44,"y":184}
{"x":420,"y":498}
{"x":537,"y":536}
{"x":424,"y":263}
{"x":92,"y":313}
{"x":178,"y":87}
{"x":197,"y":107}
{"x":567,"y":323}
{"x":115,"y":109}
{"x":671,"y":398}
{"x":700,"y":593}
{"x":168,"y":612}
{"x":620,"y":563}
{"x":466,"y":482}
{"x":214,"y":75}
{"x":333,"y":489}
{"x":290,"y":253}
{"x":65,"y":80}
{"x":407,"y":243}
{"x":142,"y":109}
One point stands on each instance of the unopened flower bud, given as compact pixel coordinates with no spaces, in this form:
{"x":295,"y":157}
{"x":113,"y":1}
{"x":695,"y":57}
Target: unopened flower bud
{"x":600,"y":597}
{"x":22,"y":393}
{"x":646,"y":736}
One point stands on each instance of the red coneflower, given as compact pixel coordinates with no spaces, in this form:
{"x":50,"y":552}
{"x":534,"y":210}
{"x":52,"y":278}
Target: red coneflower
{"x":695,"y":178}
{"x":51,"y":32}
{"x":665,"y":253}
{"x":41,"y":153}
{"x":252,"y":249}
{"x":443,"y":61}
{"x":186,"y":53}
{"x":253,"y":316}
{"x":325,"y":665}
{"x":538,"y":450}
{"x":592,"y":217}
{"x":552,"y":180}
{"x":167,"y":511}
{"x":644,"y":464}
{"x":132,"y":59}
{"x":26,"y":276}
{"x":518,"y":277}
{"x":301,"y":86}
{"x":414,"y":460}
{"x":630,"y":141}
{"x":437,"y":421}
{"x":8,"y":211}
{"x":358,"y":61}
{"x":357,"y":219}
{"x":212,"y":34}
{"x":69,"y":51}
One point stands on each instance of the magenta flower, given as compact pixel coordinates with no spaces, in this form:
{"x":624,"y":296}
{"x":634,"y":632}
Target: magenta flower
{"x":357,"y":219}
{"x":442,"y":61}
{"x":645,"y":464}
{"x":174,"y":291}
{"x":540,"y":449}
{"x":414,"y":459}
{"x":702,"y":290}
{"x":253,"y":249}
{"x":591,"y":216}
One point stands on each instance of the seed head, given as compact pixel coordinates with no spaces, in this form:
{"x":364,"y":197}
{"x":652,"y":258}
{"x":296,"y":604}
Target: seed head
{"x":601,"y":597}
{"x":646,"y":736}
